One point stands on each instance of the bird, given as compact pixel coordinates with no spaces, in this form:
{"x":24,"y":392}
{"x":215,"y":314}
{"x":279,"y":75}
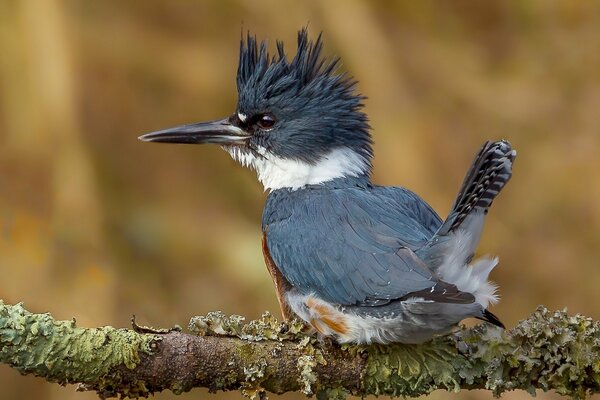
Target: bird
{"x":357,"y":262}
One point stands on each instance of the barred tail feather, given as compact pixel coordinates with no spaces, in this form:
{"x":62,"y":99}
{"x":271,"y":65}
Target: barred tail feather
{"x":491,"y":170}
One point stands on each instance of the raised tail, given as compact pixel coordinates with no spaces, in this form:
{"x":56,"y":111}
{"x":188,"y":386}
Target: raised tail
{"x":449,"y":252}
{"x":491,"y":170}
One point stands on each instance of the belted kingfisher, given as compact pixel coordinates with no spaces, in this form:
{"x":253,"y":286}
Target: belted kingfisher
{"x":359,"y":262}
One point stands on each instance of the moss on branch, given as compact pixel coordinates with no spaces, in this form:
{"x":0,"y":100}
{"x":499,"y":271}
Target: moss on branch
{"x":548,"y":351}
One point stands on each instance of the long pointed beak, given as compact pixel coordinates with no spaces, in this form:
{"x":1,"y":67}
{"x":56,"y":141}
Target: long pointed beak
{"x":220,"y":132}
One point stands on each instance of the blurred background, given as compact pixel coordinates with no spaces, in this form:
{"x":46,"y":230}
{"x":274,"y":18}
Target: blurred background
{"x":99,"y":226}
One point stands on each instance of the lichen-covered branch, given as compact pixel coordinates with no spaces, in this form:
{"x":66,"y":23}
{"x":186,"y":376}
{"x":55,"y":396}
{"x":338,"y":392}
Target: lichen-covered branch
{"x":548,"y":351}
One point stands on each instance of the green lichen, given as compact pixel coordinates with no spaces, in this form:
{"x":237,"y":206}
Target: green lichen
{"x":225,"y":381}
{"x":333,"y":394}
{"x":413,"y":370}
{"x":267,"y":327}
{"x":64,"y":353}
{"x":548,"y":351}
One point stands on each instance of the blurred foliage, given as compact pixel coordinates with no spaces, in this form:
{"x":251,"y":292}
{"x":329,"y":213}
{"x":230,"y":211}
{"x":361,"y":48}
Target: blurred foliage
{"x":97,"y":225}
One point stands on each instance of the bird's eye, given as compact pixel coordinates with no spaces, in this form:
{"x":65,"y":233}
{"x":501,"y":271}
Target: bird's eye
{"x":265,"y":121}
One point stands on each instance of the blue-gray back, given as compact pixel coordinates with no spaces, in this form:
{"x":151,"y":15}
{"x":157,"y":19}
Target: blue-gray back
{"x":351,"y":242}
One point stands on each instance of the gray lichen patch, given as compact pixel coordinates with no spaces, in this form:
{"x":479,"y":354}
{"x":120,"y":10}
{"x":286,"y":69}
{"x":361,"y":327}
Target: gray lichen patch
{"x":62,"y":352}
{"x":267,"y":327}
{"x":306,"y":365}
{"x":216,"y":323}
{"x":254,"y":393}
{"x":255,"y":372}
{"x":552,"y":350}
{"x":150,"y":329}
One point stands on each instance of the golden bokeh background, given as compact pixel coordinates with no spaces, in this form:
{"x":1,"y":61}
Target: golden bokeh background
{"x":99,"y":226}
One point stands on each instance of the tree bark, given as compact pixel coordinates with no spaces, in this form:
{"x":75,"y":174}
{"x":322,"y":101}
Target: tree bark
{"x":548,"y":351}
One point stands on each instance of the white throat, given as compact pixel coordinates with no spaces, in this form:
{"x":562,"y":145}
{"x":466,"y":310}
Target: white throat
{"x":276,"y":173}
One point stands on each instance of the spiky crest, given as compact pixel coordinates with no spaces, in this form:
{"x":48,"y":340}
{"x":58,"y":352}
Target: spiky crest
{"x":316,"y":105}
{"x":308,"y":69}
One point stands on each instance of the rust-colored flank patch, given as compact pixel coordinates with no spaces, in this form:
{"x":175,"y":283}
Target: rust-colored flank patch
{"x":327,"y":315}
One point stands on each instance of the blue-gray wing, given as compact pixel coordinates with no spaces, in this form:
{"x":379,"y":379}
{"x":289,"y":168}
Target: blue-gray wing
{"x":354,"y":246}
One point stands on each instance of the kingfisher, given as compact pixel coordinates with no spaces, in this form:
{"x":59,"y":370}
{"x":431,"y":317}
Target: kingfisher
{"x":359,"y":262}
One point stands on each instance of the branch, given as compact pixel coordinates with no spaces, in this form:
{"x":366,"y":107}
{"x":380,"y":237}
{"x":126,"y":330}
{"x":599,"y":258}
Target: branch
{"x":548,"y":351}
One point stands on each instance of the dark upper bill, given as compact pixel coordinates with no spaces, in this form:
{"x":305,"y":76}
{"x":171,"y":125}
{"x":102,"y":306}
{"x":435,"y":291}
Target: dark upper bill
{"x":220,"y":132}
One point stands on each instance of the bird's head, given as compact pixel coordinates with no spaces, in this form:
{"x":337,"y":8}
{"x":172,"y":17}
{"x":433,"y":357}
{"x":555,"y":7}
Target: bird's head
{"x":298,"y":121}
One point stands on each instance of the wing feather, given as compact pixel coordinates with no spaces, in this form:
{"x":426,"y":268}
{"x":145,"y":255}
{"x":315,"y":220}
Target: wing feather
{"x":353,"y":247}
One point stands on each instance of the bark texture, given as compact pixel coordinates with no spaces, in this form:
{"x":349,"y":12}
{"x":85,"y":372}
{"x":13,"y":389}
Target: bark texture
{"x":548,"y":351}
